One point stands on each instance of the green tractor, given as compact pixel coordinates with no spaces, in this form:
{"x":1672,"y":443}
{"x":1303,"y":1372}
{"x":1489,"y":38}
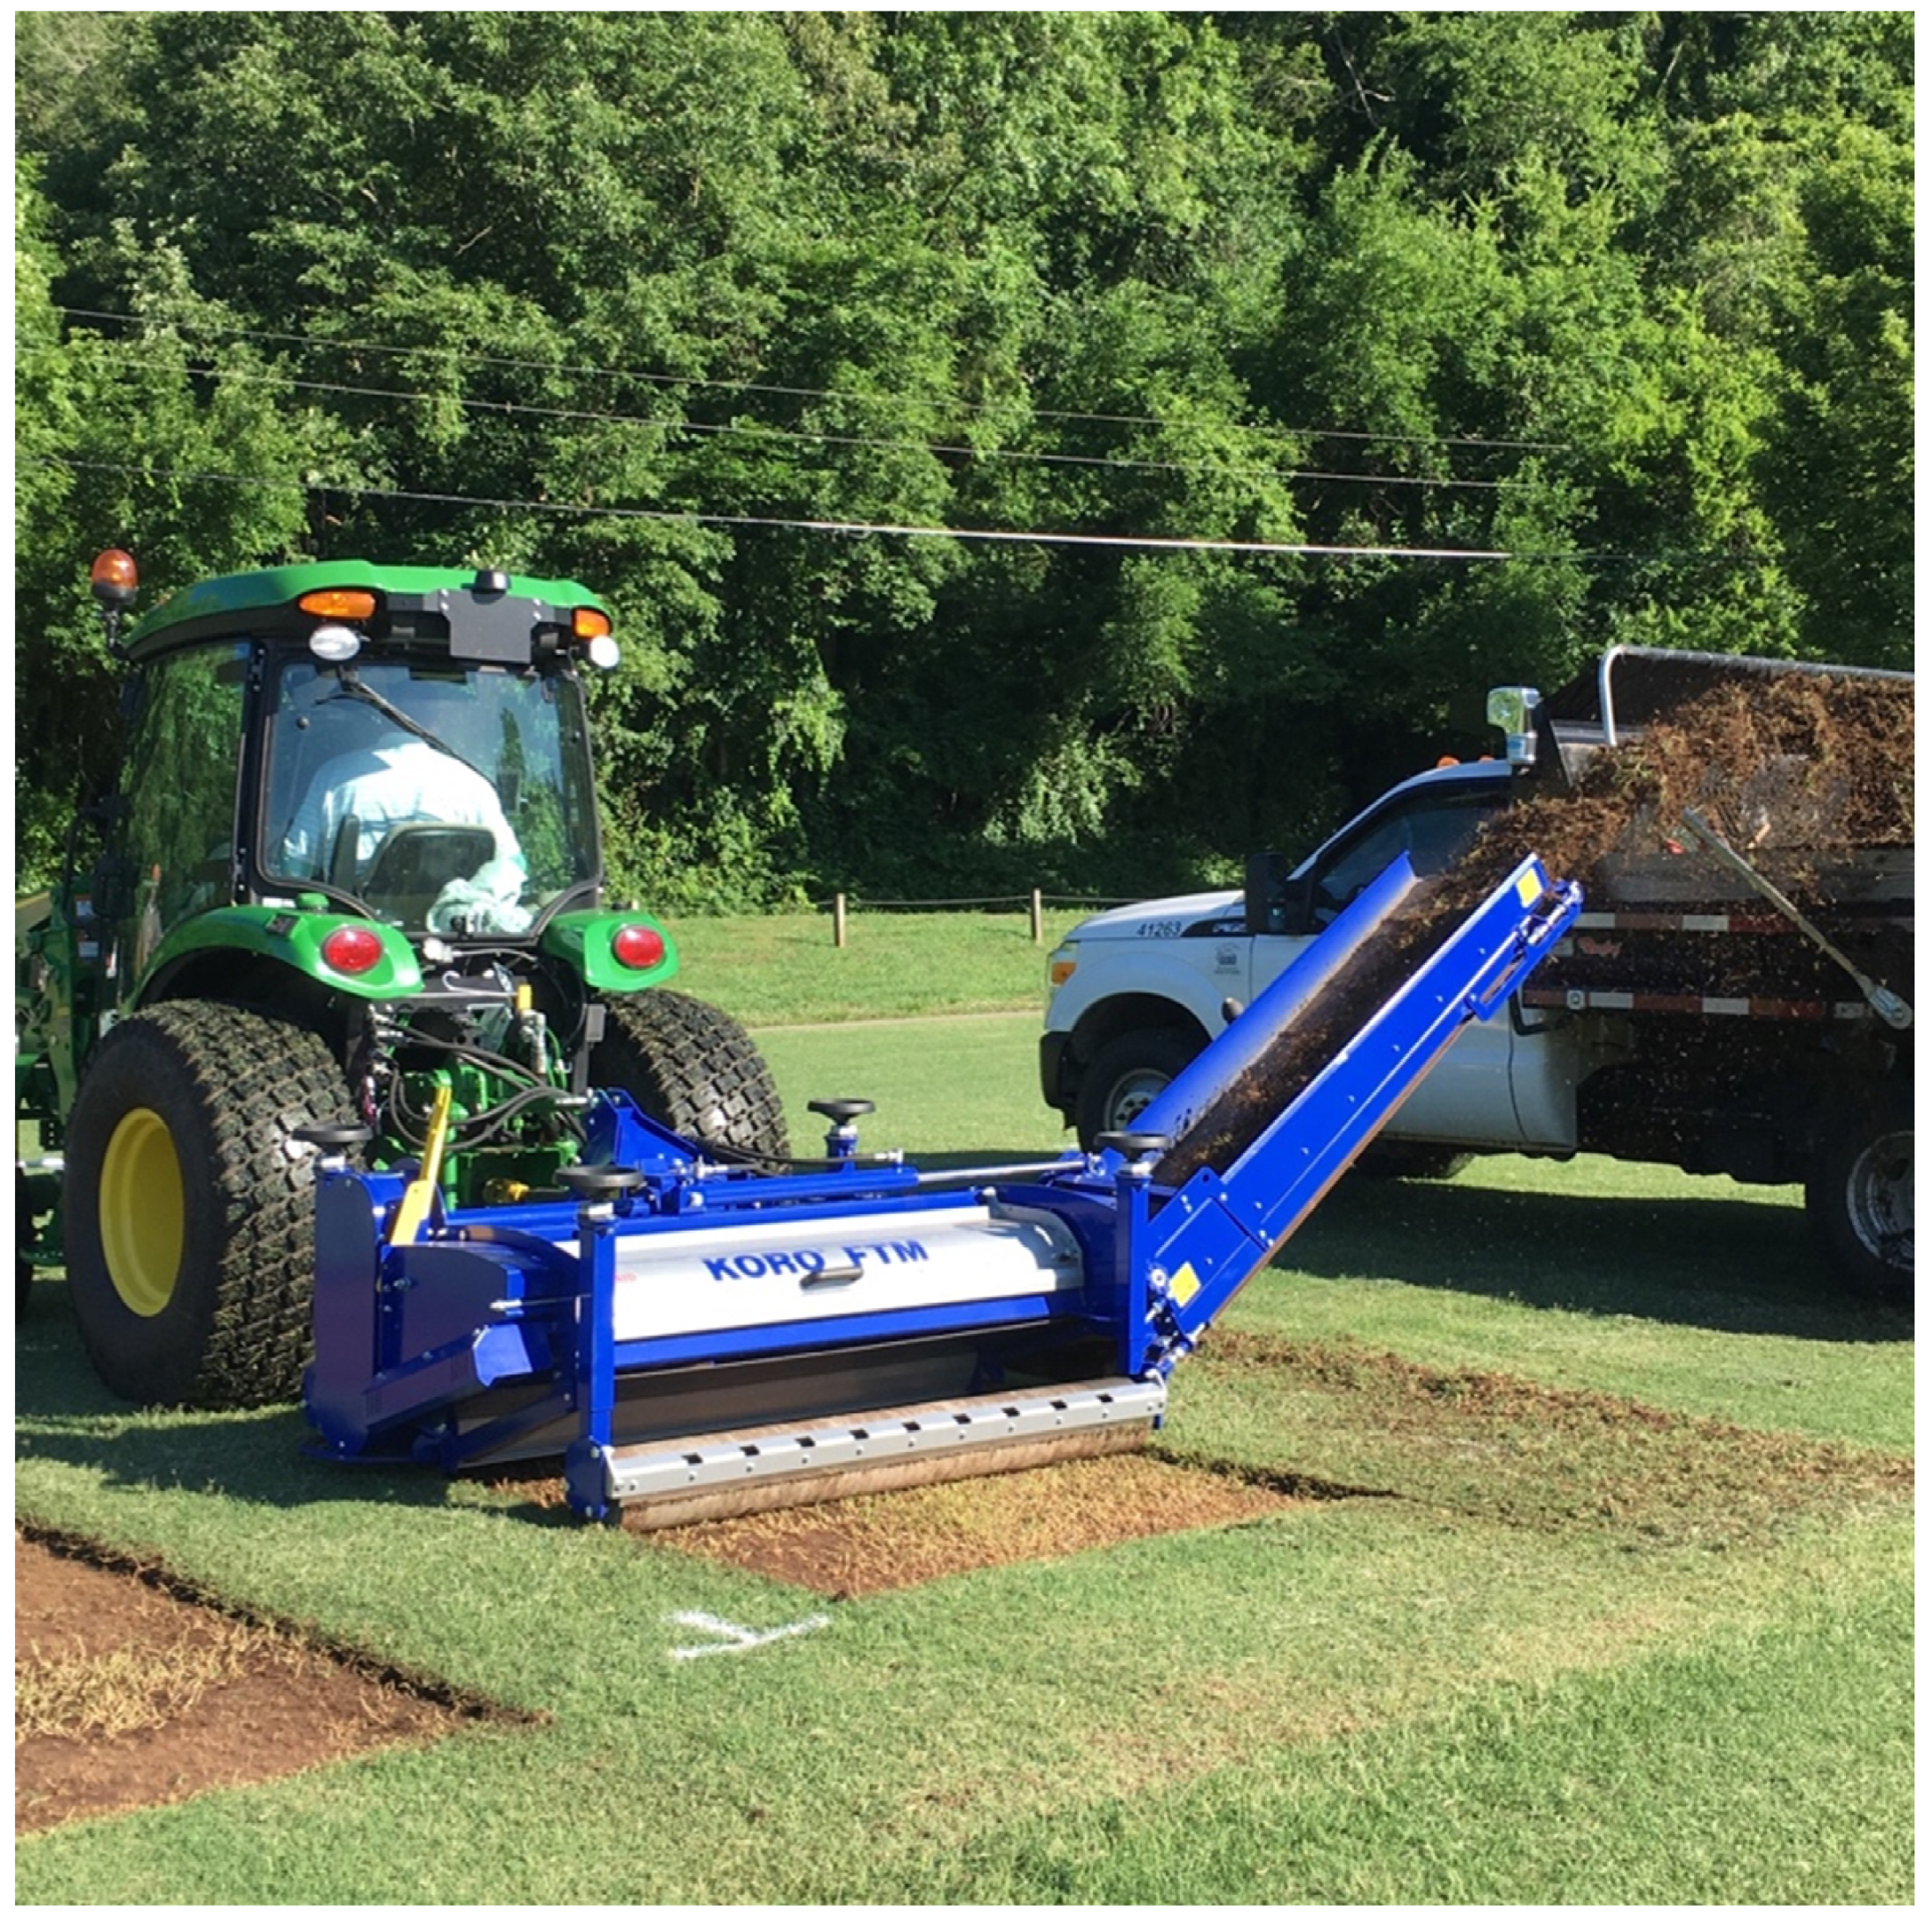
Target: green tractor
{"x":346,"y":893}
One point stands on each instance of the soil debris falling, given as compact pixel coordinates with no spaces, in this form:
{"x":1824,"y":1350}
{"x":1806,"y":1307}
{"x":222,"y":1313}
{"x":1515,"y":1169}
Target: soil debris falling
{"x":1794,"y":770}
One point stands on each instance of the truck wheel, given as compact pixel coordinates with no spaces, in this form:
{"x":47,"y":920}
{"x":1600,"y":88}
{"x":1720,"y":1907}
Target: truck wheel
{"x":190,"y":1212}
{"x":1126,"y":1075}
{"x":1859,"y":1193}
{"x":694,"y":1070}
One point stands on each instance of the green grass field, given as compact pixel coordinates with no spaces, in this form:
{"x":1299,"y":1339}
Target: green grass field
{"x":786,"y":970}
{"x":1607,"y":1597}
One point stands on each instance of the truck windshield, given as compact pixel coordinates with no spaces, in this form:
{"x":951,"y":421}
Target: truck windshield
{"x":1432,"y":826}
{"x":454,"y":798}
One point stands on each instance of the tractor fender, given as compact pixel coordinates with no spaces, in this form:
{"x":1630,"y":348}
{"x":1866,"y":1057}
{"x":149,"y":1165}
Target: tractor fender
{"x":293,"y":938}
{"x":584,"y":939}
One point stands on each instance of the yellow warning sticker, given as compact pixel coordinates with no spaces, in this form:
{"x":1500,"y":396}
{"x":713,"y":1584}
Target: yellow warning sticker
{"x":1527,"y":889}
{"x":1183,"y":1284}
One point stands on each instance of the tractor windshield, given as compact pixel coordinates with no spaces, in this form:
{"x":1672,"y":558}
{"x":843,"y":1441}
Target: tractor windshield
{"x":453,"y":797}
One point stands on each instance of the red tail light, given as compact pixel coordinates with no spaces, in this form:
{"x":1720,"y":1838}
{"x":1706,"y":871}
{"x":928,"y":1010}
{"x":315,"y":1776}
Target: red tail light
{"x":637,"y":946}
{"x":353,"y":949}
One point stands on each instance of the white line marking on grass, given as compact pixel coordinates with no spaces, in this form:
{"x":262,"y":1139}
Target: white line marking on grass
{"x":731,"y":1637}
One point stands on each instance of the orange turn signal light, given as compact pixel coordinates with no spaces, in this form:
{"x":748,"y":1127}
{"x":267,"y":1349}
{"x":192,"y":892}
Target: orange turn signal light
{"x":339,"y":604}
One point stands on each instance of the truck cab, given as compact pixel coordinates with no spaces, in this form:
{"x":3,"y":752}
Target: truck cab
{"x":1137,"y":993}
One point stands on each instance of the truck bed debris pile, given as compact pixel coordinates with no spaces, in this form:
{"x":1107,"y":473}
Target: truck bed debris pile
{"x":1796,"y":768}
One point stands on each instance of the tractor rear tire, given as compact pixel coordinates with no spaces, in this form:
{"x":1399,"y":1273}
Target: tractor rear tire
{"x":692,"y":1068}
{"x":190,"y":1210}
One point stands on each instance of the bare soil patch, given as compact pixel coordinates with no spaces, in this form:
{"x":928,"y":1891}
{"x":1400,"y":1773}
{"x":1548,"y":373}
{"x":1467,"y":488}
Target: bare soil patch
{"x":852,"y":1547}
{"x":130,"y":1690}
{"x":884,"y":1541}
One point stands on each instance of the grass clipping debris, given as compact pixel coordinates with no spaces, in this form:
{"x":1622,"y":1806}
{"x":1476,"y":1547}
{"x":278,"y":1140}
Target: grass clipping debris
{"x":104,"y":1695}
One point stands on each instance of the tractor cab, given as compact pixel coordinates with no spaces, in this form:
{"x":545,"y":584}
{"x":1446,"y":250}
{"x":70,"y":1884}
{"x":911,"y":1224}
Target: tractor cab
{"x":443,"y":797}
{"x":404,"y":745}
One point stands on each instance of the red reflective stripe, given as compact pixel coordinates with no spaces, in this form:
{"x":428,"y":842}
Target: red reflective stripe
{"x":1657,"y":1005}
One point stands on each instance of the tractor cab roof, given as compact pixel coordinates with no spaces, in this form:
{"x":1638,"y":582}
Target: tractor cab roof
{"x":481,"y":614}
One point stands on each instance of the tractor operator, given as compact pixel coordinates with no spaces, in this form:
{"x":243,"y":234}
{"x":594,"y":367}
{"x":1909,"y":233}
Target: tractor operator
{"x":389,"y":785}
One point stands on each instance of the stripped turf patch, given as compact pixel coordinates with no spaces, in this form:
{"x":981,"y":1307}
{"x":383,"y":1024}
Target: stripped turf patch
{"x":1271,"y":1422}
{"x":1499,"y":1447}
{"x":133,"y":1687}
{"x":848,"y":1547}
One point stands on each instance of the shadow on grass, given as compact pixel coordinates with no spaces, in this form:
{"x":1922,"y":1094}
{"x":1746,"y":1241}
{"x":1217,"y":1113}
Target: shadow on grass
{"x":1723,"y":1263}
{"x":63,"y":1415}
{"x":1720,"y":1263}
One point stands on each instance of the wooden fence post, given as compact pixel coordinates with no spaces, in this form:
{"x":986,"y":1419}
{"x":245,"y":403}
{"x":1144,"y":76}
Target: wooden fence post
{"x":838,"y":921}
{"x":1038,"y":921}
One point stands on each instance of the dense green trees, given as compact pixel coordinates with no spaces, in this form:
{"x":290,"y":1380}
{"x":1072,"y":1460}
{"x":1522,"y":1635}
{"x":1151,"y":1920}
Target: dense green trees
{"x":681,"y":303}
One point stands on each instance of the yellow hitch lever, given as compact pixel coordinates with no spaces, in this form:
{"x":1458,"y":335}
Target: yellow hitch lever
{"x":413,"y":1211}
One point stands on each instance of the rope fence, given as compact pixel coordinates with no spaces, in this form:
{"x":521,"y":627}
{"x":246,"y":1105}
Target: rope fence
{"x":1035,"y":902}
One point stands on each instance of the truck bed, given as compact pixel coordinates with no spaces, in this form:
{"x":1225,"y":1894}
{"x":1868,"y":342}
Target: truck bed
{"x":1683,"y":935}
{"x":1864,"y":884}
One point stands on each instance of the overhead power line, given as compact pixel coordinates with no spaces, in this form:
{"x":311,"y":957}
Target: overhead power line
{"x":701,"y":518}
{"x":590,"y":371}
{"x":766,"y":432}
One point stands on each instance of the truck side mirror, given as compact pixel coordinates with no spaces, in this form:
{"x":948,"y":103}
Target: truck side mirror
{"x":1512,"y":710}
{"x":1295,"y":910}
{"x":1278,"y":904}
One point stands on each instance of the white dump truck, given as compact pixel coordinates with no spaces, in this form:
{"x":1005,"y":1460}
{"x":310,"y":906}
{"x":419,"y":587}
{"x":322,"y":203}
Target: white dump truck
{"x":1723,"y":1006}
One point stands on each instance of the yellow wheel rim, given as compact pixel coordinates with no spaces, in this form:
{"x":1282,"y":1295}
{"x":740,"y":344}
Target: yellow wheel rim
{"x":142,"y":1213}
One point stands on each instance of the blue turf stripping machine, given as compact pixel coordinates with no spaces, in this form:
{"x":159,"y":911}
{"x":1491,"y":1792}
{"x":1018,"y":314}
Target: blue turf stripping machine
{"x":698,"y":1340}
